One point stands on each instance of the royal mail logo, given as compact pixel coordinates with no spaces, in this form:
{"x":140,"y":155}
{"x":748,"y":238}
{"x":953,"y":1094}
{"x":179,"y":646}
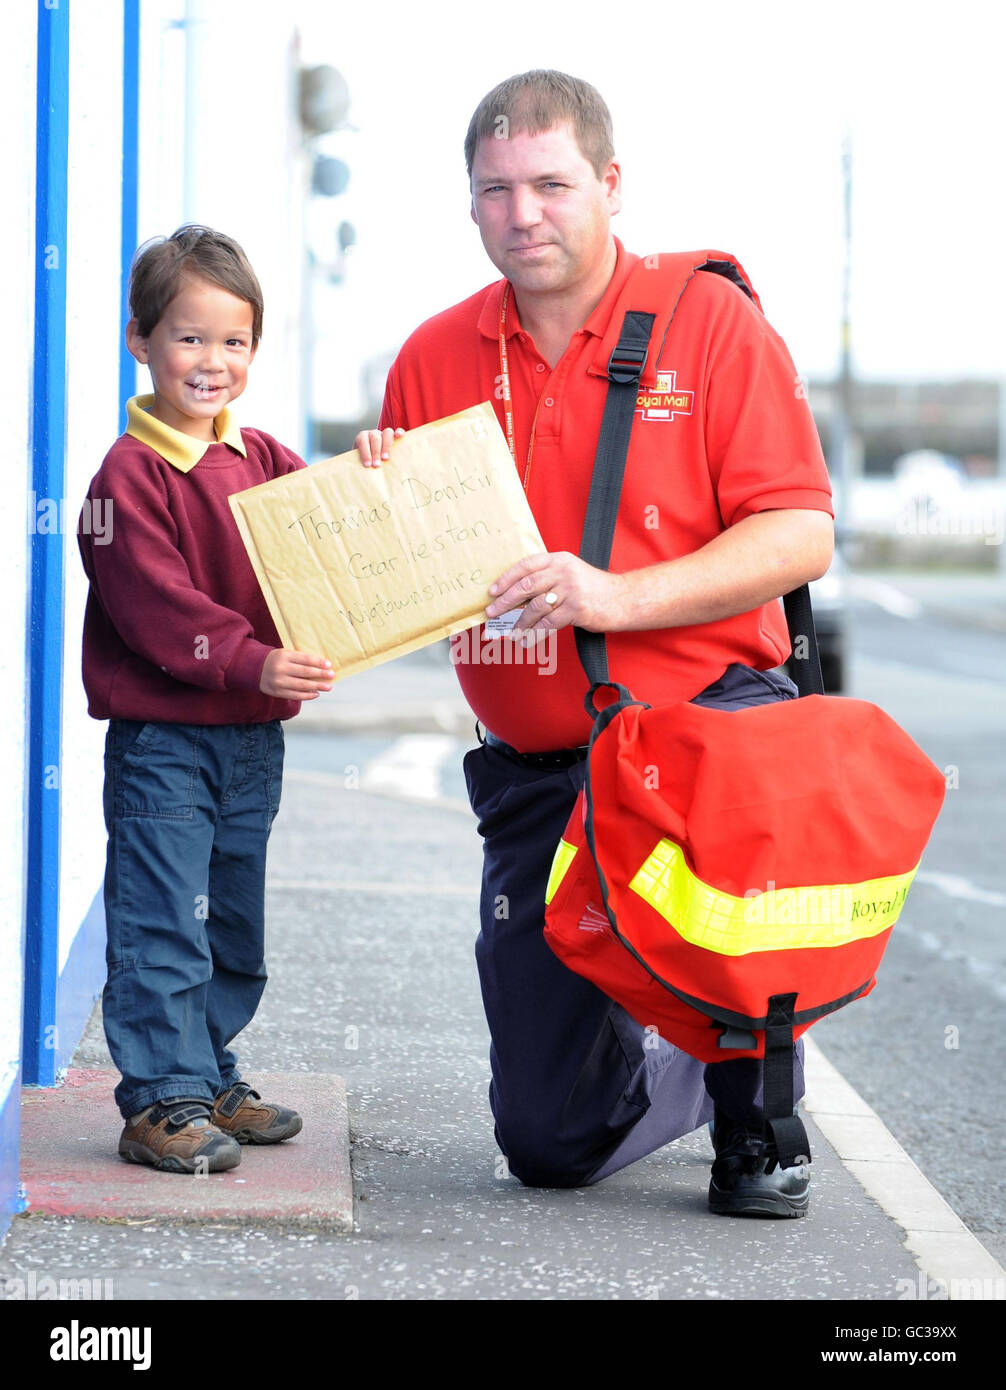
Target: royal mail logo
{"x":665,"y":401}
{"x":594,"y":920}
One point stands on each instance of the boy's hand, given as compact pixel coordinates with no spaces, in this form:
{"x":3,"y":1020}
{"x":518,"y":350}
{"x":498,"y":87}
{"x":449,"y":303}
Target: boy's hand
{"x":374,"y":446}
{"x":290,"y":675}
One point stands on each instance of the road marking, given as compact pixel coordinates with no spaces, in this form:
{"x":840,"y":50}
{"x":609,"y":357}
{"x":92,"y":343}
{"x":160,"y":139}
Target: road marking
{"x":943,"y":1247}
{"x":985,"y":972}
{"x":410,"y":767}
{"x":885,"y":596}
{"x":957,"y":887}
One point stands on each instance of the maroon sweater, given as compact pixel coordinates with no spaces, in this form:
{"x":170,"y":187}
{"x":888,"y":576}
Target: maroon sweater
{"x":176,"y":628}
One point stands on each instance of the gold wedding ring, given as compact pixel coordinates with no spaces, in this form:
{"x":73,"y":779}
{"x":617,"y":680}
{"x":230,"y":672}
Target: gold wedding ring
{"x":551,"y":599}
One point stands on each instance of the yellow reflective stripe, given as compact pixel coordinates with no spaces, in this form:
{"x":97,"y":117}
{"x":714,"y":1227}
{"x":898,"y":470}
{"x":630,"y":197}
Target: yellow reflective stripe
{"x":564,"y":855}
{"x":781,"y":919}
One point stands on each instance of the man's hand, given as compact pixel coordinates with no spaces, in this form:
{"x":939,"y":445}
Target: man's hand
{"x":750,"y":563}
{"x":374,"y":446}
{"x":557,"y":590}
{"x":295,"y":676}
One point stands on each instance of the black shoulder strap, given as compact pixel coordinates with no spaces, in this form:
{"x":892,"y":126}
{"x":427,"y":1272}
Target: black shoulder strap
{"x":624,"y":369}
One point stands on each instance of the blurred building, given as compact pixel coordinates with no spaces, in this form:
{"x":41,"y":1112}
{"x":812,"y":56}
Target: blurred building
{"x":926,"y":464}
{"x":960,"y":418}
{"x":121,"y":121}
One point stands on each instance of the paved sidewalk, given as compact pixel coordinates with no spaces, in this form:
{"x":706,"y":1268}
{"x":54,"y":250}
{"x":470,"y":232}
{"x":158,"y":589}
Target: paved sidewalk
{"x":373,"y":912}
{"x":418,"y":693}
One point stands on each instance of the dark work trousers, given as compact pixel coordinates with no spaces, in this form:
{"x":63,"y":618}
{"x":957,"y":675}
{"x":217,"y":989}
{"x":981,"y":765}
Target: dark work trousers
{"x":578,"y":1088}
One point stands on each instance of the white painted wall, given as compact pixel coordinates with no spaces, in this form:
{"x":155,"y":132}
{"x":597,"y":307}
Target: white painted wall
{"x":162,"y":118}
{"x":250,"y":170}
{"x":17,"y":120}
{"x":93,"y":269}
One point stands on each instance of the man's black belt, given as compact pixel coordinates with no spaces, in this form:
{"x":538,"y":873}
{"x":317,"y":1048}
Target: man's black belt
{"x":554,"y":759}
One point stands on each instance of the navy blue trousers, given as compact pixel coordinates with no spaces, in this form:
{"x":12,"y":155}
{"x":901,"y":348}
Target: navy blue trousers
{"x":578,"y":1089}
{"x":188,"y":808}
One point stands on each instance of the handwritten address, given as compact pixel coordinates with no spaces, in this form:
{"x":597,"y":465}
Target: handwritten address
{"x":314,"y":528}
{"x":358,"y":576}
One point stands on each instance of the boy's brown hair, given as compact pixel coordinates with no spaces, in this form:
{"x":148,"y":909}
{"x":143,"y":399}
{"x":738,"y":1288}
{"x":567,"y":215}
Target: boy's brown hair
{"x":538,"y":100}
{"x":192,"y":252}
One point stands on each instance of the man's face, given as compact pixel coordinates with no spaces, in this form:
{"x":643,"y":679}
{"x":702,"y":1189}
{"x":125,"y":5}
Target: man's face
{"x":198,"y":355}
{"x":543,"y":213}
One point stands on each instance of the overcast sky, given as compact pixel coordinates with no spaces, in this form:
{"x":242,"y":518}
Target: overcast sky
{"x":728,"y":124}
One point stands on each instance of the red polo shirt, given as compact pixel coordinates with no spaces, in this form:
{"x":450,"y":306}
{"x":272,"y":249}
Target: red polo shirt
{"x":726,"y":434}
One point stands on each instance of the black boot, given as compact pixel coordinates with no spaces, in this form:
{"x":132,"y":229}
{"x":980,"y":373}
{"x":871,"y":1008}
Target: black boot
{"x":746,"y":1177}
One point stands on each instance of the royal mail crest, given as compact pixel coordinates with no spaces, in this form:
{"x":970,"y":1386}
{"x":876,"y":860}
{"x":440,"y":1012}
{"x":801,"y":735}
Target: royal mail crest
{"x":664,"y":400}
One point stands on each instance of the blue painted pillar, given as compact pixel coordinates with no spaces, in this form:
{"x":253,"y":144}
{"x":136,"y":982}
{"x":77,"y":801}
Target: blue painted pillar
{"x":45,"y":678}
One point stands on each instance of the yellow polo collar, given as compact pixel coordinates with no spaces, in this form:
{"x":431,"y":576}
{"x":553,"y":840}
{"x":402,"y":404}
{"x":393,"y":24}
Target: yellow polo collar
{"x":181,"y":450}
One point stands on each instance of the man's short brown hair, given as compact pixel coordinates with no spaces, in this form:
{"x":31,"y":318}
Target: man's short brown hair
{"x":161,"y":266}
{"x":538,"y":100}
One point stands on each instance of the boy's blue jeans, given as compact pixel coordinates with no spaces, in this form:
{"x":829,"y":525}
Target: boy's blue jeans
{"x":188,"y":808}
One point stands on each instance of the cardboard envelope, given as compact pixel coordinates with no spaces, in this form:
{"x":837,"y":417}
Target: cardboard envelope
{"x":361,"y":565}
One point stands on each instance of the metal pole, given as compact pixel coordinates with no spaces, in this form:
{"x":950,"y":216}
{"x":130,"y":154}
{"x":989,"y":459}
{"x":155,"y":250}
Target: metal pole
{"x":840,"y":451}
{"x":194,"y":23}
{"x":307,"y":340}
{"x":1001,"y":471}
{"x":846,"y":306}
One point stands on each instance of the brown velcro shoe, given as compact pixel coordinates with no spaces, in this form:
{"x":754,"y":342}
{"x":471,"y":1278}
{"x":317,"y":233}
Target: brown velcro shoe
{"x":241,"y":1112}
{"x":177,"y":1136}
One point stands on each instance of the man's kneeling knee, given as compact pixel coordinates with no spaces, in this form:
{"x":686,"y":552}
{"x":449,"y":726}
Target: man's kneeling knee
{"x":537,"y":1161}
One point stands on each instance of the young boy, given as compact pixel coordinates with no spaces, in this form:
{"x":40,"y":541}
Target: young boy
{"x":182,"y":658}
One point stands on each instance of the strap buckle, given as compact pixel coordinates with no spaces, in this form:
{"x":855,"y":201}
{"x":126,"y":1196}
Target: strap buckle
{"x":625,"y":365}
{"x":233,"y":1098}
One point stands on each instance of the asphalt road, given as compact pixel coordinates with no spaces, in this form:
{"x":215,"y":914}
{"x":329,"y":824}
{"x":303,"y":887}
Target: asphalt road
{"x":926,"y":1048}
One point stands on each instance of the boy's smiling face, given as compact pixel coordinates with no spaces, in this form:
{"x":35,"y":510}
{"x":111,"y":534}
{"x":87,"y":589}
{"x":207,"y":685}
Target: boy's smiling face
{"x":198,"y":354}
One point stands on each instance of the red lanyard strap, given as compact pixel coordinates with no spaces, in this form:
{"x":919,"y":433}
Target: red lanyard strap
{"x":505,"y":375}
